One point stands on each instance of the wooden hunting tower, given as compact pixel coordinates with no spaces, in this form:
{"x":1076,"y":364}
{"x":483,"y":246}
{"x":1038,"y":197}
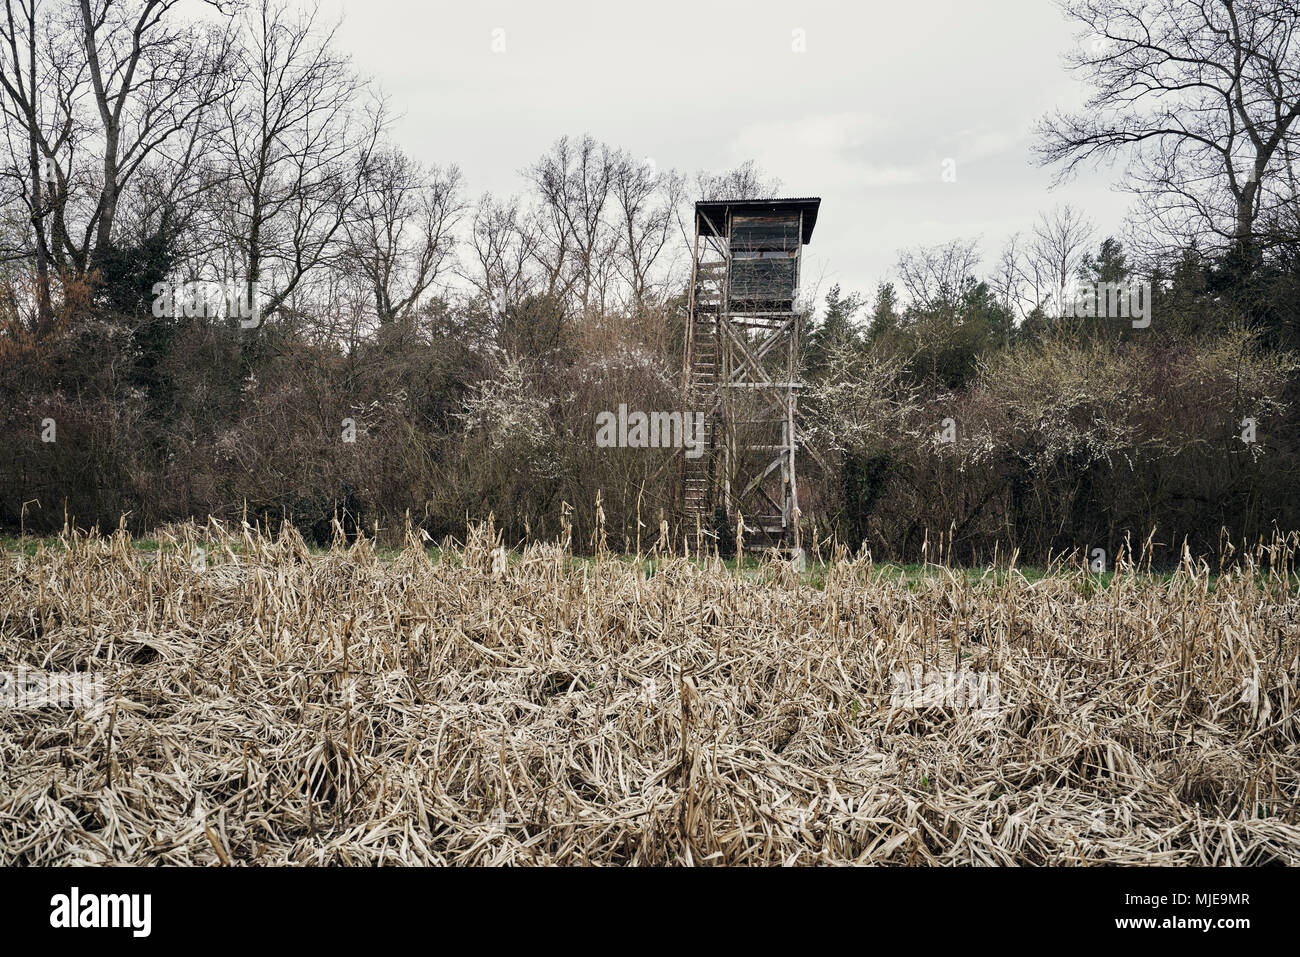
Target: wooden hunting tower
{"x":741,"y":368}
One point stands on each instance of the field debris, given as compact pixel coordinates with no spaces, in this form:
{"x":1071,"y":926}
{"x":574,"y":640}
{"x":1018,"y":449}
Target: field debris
{"x":271,"y":705}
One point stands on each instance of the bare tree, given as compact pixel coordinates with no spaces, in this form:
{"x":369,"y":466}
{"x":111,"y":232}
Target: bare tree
{"x":28,"y":83}
{"x":937,"y":279}
{"x":936,"y":276}
{"x":152,"y":82}
{"x":645,"y":201}
{"x":573,"y":183}
{"x":1199,"y":95}
{"x":1007,"y":279}
{"x":399,"y":238}
{"x":503,"y":244}
{"x":746,"y":181}
{"x":298,"y":141}
{"x":1060,"y":242}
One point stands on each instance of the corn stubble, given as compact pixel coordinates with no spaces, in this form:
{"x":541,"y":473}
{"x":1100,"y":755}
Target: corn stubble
{"x":269,"y":705}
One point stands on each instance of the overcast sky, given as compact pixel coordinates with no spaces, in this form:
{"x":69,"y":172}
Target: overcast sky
{"x":864,"y":118}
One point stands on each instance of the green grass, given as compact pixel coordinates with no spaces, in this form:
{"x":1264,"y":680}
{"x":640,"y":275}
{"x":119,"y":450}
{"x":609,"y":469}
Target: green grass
{"x":13,"y":544}
{"x":908,"y":574}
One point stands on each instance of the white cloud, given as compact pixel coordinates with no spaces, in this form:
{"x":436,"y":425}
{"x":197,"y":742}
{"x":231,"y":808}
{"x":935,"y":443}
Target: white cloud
{"x":864,"y":119}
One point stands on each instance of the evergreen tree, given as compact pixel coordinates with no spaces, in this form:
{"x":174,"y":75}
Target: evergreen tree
{"x":884,"y":314}
{"x":835,"y":331}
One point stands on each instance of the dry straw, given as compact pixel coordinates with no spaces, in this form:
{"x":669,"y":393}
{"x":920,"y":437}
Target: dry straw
{"x":269,"y":705}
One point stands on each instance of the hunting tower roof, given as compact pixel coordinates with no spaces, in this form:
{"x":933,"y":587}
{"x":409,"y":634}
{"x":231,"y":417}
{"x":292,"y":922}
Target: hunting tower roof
{"x":711,"y":214}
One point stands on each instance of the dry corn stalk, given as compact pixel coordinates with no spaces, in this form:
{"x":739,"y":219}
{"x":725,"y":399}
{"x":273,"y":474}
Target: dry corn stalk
{"x":270,"y":705}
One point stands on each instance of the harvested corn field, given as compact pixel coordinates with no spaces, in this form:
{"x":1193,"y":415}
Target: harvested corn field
{"x":264,"y":704}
